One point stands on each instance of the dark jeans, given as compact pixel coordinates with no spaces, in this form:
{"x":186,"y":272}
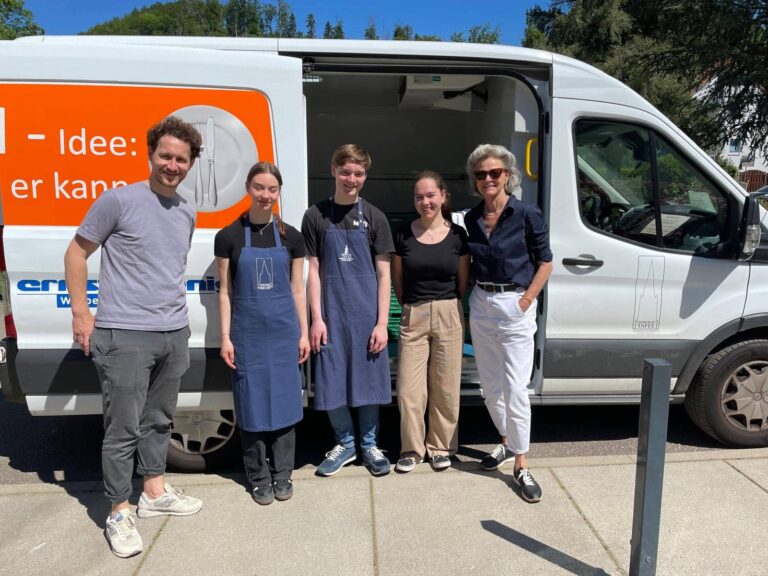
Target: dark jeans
{"x":268,"y":456}
{"x":140,"y":373}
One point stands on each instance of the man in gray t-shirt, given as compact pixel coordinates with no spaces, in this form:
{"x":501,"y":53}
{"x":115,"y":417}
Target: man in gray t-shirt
{"x":139,"y":337}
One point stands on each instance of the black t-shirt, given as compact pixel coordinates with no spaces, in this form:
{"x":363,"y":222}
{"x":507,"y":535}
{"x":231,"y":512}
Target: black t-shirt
{"x":429,"y":270}
{"x":230,"y":241}
{"x":318,"y":217}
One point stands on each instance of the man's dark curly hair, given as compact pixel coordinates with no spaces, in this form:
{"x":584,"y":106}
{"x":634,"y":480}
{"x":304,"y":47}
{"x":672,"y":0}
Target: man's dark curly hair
{"x":172,"y":126}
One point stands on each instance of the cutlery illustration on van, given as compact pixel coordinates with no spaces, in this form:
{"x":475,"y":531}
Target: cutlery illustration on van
{"x":206,"y":194}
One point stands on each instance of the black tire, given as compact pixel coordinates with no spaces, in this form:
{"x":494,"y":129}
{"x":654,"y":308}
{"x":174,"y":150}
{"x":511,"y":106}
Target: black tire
{"x":203,"y":441}
{"x":728,"y":398}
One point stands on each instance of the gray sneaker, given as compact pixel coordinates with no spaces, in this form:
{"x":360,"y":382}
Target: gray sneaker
{"x":172,"y":503}
{"x":406,"y":464}
{"x":122,"y":535}
{"x":441,"y":462}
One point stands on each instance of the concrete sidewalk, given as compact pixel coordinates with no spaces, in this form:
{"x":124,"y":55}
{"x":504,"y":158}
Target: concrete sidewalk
{"x":461,"y":521}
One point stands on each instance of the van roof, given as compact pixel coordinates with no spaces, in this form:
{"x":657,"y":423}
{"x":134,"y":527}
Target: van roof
{"x":570,"y":78}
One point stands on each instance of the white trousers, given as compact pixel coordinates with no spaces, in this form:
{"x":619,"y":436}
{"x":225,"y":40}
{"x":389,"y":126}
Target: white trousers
{"x":502,"y":335}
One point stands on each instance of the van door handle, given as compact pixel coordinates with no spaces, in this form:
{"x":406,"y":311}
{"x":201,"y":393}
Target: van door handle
{"x":591,"y":262}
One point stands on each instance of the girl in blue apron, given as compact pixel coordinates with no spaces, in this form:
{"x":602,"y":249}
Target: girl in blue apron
{"x":264,"y":339}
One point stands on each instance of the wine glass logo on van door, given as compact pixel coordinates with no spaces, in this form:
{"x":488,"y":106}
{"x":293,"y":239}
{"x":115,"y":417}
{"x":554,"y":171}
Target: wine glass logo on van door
{"x":217,"y":180}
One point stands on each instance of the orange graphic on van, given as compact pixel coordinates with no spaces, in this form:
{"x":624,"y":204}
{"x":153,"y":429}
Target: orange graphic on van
{"x":63,"y":145}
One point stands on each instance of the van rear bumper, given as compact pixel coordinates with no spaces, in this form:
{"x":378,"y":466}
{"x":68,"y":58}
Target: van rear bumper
{"x":9,"y":379}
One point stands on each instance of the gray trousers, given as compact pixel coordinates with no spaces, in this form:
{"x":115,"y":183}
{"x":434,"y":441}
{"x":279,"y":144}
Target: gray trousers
{"x":140,"y":373}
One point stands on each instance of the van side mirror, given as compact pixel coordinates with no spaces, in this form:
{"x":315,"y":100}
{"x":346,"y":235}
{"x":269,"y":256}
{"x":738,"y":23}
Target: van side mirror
{"x":749,"y":239}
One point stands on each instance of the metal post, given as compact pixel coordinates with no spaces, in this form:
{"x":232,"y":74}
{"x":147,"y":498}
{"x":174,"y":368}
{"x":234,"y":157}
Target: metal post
{"x":649,"y":474}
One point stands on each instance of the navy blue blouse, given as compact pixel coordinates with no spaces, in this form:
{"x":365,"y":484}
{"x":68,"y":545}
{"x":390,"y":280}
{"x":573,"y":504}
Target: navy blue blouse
{"x":509,"y":255}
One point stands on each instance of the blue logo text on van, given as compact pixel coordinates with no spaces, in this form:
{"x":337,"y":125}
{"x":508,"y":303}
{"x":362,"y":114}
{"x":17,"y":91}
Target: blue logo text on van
{"x":58,"y":288}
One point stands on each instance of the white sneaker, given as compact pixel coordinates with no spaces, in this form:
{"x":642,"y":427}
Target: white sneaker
{"x":122,"y":535}
{"x":172,"y":503}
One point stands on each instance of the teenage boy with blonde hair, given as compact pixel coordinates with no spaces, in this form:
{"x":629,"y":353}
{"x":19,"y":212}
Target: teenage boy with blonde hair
{"x":349,"y":245}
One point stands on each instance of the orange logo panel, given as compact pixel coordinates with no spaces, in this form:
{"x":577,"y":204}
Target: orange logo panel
{"x":62,"y":145}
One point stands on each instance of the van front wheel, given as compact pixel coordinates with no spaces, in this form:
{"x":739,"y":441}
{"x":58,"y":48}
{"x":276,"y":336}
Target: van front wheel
{"x":202,"y":441}
{"x":728,"y":398}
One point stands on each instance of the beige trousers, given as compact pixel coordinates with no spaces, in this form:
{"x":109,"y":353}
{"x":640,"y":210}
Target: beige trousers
{"x":429,"y":377}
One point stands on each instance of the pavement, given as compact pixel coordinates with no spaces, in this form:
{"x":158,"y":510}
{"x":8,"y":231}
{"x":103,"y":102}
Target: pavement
{"x":459,"y":521}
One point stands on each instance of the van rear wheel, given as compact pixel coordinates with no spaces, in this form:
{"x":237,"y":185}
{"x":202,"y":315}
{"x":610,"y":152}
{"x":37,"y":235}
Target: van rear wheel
{"x":728,"y":398}
{"x":202,"y":441}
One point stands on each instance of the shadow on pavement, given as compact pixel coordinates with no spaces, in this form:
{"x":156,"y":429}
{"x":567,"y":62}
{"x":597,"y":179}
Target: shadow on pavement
{"x":542,"y":550}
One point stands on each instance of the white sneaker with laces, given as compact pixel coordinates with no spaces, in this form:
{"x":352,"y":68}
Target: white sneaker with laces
{"x":173,"y":503}
{"x":121,"y":533}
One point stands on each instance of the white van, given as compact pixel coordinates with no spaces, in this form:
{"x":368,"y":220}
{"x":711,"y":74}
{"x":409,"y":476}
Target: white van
{"x":656,"y":249}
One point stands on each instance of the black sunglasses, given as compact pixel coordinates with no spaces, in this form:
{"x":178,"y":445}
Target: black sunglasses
{"x":495,"y":173}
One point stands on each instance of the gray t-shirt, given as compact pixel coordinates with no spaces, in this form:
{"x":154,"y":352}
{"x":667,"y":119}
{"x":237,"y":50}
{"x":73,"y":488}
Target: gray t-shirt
{"x":144,"y":241}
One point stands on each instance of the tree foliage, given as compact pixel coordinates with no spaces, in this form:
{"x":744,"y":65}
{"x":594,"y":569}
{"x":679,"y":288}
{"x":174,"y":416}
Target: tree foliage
{"x":370,"y":31}
{"x":310,"y":25}
{"x":333,"y":31}
{"x":704,"y":63}
{"x":721,"y":50}
{"x":253,"y":18}
{"x":479,"y":35}
{"x":16,"y":20}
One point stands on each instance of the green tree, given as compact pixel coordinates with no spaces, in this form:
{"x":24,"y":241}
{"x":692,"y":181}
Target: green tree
{"x":284,"y":14}
{"x":310,"y":25}
{"x":15,"y":20}
{"x":719,"y":49}
{"x":269,"y":18}
{"x":402,"y":32}
{"x":479,"y":35}
{"x":243,"y":18}
{"x":370,"y":31}
{"x":328,"y":30}
{"x":484,"y":34}
{"x":333,"y":32}
{"x":618,"y":36}
{"x":338,"y":30}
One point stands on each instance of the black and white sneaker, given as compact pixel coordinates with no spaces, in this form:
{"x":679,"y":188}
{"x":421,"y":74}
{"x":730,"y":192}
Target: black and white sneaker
{"x":529,"y":488}
{"x":496,"y":457}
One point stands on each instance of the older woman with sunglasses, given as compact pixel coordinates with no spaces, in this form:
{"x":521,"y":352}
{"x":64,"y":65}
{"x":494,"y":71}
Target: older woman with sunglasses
{"x":511,"y":262}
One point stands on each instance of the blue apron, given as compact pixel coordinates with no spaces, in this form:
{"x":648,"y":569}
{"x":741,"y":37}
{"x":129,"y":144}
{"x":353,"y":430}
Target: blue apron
{"x":265,"y":333}
{"x":346,"y":373}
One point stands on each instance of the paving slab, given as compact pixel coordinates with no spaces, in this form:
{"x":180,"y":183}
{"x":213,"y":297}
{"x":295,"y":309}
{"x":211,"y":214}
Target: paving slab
{"x":325,"y":529}
{"x":755,"y":470}
{"x":60,"y":533}
{"x":461,"y":522}
{"x":705,"y":529}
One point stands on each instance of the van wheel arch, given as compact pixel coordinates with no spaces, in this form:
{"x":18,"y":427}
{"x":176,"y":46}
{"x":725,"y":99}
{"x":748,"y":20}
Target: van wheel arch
{"x":728,"y":397}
